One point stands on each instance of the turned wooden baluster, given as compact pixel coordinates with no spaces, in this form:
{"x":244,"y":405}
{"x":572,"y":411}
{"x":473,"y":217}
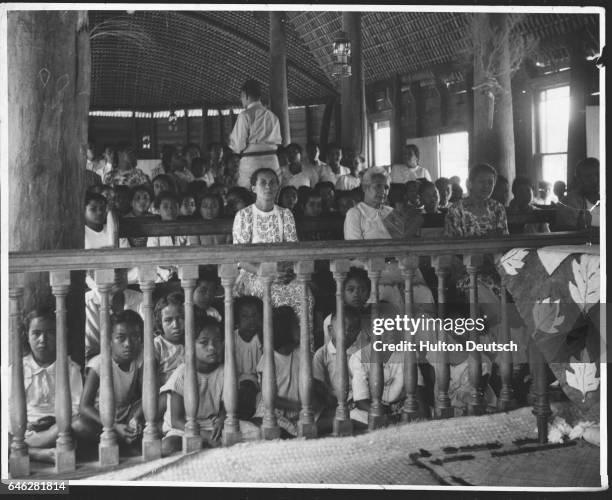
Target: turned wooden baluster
{"x":151,"y":438}
{"x":306,"y":425}
{"x":270,"y":429}
{"x":64,"y":445}
{"x":342,"y":421}
{"x":541,"y":406}
{"x":108,"y":448}
{"x":192,"y":440}
{"x":443,"y":407}
{"x":506,"y":394}
{"x":376,"y":415}
{"x":19,"y":460}
{"x":231,"y":429}
{"x":476,"y":404}
{"x":409,"y":265}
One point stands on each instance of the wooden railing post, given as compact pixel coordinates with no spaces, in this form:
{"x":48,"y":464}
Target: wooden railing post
{"x":270,"y":429}
{"x":342,"y":421}
{"x":108,"y":448}
{"x":541,"y":405}
{"x":64,"y":446}
{"x":443,"y":407}
{"x":376,"y":415}
{"x":151,"y":439}
{"x":476,"y":405}
{"x":231,"y":429}
{"x":192,"y":440}
{"x":409,"y":264}
{"x":306,"y":425}
{"x":506,"y":394}
{"x":19,"y":460}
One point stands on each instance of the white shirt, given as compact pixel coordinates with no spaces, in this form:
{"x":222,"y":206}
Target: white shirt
{"x":107,"y":238}
{"x":295,"y":180}
{"x":256,"y":129}
{"x":287,"y":369}
{"x":326,"y":174}
{"x":248,"y":355}
{"x":363,"y":222}
{"x":169,"y":357}
{"x":401,"y":173}
{"x":347,"y":182}
{"x":312,"y":170}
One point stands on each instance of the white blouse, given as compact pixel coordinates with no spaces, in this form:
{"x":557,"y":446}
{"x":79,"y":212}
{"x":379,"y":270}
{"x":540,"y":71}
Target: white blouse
{"x":364,"y":222}
{"x":252,"y":225}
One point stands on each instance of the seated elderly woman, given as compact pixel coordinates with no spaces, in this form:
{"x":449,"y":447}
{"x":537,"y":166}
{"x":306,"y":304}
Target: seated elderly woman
{"x":372,"y":219}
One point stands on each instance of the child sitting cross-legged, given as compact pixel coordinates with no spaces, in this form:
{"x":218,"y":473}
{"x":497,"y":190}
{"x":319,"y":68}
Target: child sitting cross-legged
{"x":169,"y":344}
{"x":324,"y":364}
{"x":126,"y":362}
{"x":39,"y":377}
{"x":210,"y":413}
{"x":204,"y":294}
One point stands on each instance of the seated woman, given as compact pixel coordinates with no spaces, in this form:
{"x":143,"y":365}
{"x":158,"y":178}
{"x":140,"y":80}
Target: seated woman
{"x":266,"y":222}
{"x":522,"y":203}
{"x":126,"y":173}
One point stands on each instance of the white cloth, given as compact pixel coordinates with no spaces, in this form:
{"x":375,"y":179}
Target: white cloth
{"x":295,"y":180}
{"x":169,"y":357}
{"x":364,"y":222}
{"x":210,"y":391}
{"x":132,"y":301}
{"x":39,"y":385}
{"x":287,"y":370}
{"x":347,"y":182}
{"x":594,"y":209}
{"x":248,"y":355}
{"x":312,"y":170}
{"x":125,"y":386}
{"x":401,"y":173}
{"x":326,"y":174}
{"x":107,"y":238}
{"x":99,"y":167}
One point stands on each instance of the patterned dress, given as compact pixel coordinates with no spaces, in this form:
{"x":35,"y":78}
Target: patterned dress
{"x":252,"y":225}
{"x":133,"y":177}
{"x":462,"y":222}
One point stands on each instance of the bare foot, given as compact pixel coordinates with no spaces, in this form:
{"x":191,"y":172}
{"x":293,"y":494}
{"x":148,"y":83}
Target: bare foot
{"x":46,"y":455}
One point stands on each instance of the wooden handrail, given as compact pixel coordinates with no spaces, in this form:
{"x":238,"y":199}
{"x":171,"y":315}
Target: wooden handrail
{"x":113,"y":258}
{"x":136,"y":227}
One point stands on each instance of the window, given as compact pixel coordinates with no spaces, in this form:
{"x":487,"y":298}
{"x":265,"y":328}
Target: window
{"x":453,"y":155}
{"x":382,"y":143}
{"x":553,"y":117}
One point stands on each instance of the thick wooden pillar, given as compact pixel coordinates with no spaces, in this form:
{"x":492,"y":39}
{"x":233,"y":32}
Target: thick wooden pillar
{"x":48,"y":105}
{"x":278,"y":73}
{"x":419,"y":97}
{"x":326,"y":122}
{"x":443,"y":408}
{"x":522,"y":100}
{"x":576,"y":139}
{"x":397,"y":143}
{"x":354,"y":123}
{"x":493,"y":141}
{"x":409,"y":265}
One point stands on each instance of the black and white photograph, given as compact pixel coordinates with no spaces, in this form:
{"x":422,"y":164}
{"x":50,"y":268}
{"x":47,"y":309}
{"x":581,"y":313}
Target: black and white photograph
{"x":305,"y":246}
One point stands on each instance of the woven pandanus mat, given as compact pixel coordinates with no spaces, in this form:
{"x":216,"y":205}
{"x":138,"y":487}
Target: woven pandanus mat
{"x":376,"y":458}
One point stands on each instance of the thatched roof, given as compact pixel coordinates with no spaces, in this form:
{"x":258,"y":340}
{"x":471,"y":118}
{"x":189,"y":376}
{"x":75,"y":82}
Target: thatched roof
{"x":162,"y":60}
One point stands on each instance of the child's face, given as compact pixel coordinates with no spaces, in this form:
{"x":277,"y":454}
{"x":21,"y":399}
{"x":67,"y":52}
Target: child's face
{"x":188,"y":206}
{"x":313,"y":206}
{"x":209,"y":208}
{"x":289,"y":199}
{"x":173,"y":323}
{"x":334,"y":157}
{"x":141,"y":202}
{"x":266,"y":187}
{"x":159,"y":186}
{"x":430,"y":199}
{"x":523,"y":195}
{"x":410,"y":158}
{"x":126,"y":341}
{"x":293,"y":155}
{"x":356,"y":293}
{"x":481,"y":187}
{"x":234,"y":204}
{"x":209,"y":346}
{"x":168,"y":209}
{"x":327,"y":196}
{"x":345,"y":204}
{"x":412,"y":193}
{"x":41,"y":337}
{"x":204,"y":294}
{"x":445,"y":194}
{"x":221,"y":191}
{"x":352,"y":326}
{"x":95,"y":213}
{"x":250,"y":320}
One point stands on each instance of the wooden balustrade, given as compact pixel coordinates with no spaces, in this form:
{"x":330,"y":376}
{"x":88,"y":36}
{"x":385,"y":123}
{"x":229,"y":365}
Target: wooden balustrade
{"x":59,"y":263}
{"x":505,"y":365}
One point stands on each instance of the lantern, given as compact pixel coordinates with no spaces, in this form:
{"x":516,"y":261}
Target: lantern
{"x":342,"y":55}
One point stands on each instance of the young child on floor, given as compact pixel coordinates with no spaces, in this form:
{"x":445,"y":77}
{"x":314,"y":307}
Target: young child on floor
{"x":126,"y":362}
{"x":210,"y":414}
{"x":39,"y":378}
{"x":169,"y":342}
{"x":204,"y":295}
{"x":248,"y":312}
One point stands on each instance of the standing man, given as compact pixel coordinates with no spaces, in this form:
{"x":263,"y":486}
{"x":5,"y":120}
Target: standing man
{"x":256,"y":135}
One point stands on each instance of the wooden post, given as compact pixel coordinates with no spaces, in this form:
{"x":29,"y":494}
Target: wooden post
{"x":576,"y":139}
{"x":397,"y":145}
{"x":231,"y":430}
{"x":221,"y":127}
{"x":443,"y":407}
{"x":137,"y":143}
{"x":269,"y":428}
{"x":308,"y":122}
{"x":204,"y":129}
{"x":330,"y":106}
{"x":306,"y":425}
{"x":541,"y":406}
{"x":278,"y":73}
{"x":64,"y":446}
{"x":409,"y":265}
{"x":151,"y":440}
{"x":476,"y":403}
{"x":187,"y":127}
{"x":48,"y":103}
{"x":494,"y":145}
{"x":522,"y":100}
{"x":376,"y":415}
{"x":19,"y":460}
{"x":342,"y":421}
{"x":192,"y":440}
{"x":108,"y":449}
{"x":419,"y":108}
{"x":354,"y":123}
{"x":154,"y":145}
{"x":505,"y":368}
